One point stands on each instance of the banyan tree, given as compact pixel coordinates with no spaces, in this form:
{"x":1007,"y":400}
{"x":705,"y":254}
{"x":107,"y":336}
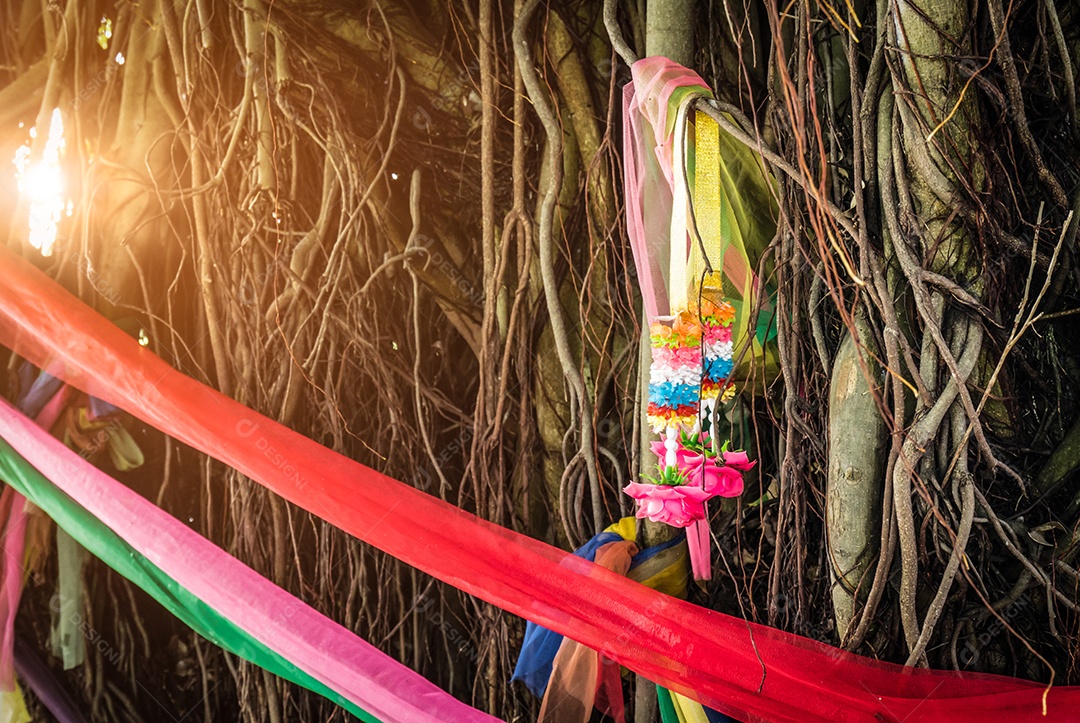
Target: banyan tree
{"x":445,"y":241}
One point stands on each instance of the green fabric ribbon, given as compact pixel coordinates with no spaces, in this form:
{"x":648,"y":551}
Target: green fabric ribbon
{"x":68,"y":643}
{"x":667,"y":708}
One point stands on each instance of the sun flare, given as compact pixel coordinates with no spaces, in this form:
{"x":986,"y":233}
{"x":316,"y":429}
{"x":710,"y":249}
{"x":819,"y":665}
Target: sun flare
{"x":41,"y":184}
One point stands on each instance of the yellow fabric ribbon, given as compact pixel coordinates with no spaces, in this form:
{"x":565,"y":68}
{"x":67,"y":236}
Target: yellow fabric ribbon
{"x":13,"y":707}
{"x":689,"y":711}
{"x":665,"y":571}
{"x":736,"y":218}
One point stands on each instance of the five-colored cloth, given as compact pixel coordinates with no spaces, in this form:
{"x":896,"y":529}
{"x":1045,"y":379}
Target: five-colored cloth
{"x":571,"y":678}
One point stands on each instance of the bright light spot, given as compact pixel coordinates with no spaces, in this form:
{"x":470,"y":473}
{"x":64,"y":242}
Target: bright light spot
{"x":394,"y":176}
{"x":42,"y":185}
{"x":144,"y":340}
{"x":394,"y":344}
{"x":104,"y":33}
{"x":69,"y":208}
{"x":119,"y":58}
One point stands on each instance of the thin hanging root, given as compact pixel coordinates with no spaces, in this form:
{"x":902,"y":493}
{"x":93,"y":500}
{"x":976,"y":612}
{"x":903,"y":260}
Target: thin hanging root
{"x":1030,"y":566}
{"x":580,"y":403}
{"x":1016,"y":101}
{"x":414,"y":211}
{"x":962,"y":480}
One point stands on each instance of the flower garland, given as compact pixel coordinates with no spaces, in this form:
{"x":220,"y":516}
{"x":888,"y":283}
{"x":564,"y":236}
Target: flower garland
{"x":691,"y":362}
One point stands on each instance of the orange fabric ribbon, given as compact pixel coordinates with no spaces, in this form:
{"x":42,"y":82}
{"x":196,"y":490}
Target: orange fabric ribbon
{"x":581,"y":678}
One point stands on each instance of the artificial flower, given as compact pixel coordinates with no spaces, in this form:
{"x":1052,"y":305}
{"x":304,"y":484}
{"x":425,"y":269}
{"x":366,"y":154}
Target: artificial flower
{"x":717,"y":335}
{"x":669,"y":394}
{"x":678,"y":506}
{"x":739,"y":460}
{"x":718,"y":480}
{"x":687,"y":328}
{"x":725,"y":314}
{"x":658,"y":330}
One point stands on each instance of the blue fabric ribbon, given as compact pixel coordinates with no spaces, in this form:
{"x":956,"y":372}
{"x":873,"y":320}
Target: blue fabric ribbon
{"x":35,"y":391}
{"x":540,"y":644}
{"x":36,"y":388}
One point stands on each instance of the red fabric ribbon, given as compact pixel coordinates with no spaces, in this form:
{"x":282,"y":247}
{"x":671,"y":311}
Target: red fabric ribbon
{"x":745,"y":670}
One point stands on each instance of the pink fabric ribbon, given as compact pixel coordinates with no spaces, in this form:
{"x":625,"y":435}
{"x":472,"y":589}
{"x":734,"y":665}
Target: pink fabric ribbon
{"x":13,"y":509}
{"x":327,"y":651}
{"x":647,"y":154}
{"x":697,"y":544}
{"x":13,"y":513}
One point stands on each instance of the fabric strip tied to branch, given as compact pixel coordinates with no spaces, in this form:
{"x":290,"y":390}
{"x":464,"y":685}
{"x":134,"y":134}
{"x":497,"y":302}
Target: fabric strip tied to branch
{"x":222,"y":599}
{"x":746,"y":670}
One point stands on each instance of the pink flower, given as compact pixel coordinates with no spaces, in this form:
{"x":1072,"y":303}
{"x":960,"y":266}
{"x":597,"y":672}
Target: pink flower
{"x":725,"y":482}
{"x":667,"y":357}
{"x":717,"y":480}
{"x":663,"y":356}
{"x":688,"y":356}
{"x":739,"y":461}
{"x":717,"y":334}
{"x":678,"y":506}
{"x":706,"y":477}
